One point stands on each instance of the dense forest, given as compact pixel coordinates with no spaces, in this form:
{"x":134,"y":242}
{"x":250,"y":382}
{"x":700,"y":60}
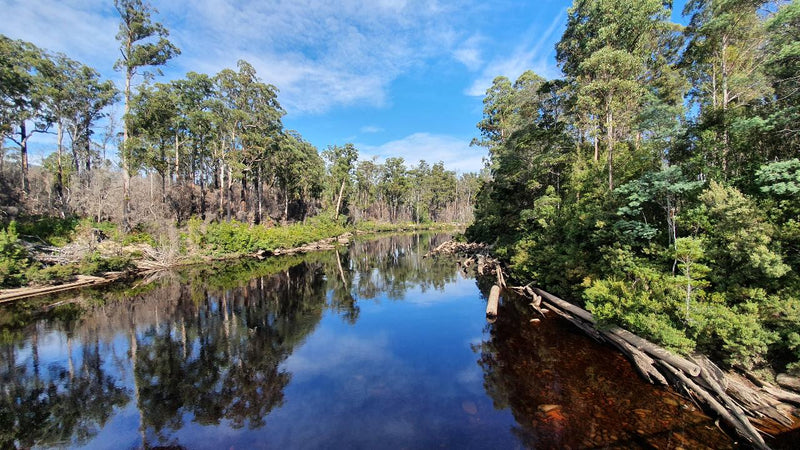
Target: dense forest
{"x":658,"y":180}
{"x":208,"y":146}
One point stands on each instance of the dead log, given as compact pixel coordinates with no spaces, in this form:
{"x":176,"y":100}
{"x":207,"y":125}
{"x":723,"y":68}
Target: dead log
{"x":636,"y":341}
{"x":494,"y":301}
{"x":744,"y":430}
{"x":788,"y":382}
{"x":643,"y":363}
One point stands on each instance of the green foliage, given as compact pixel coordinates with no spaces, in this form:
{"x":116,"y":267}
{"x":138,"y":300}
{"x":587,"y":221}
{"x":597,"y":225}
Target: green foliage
{"x":52,"y":230}
{"x":14,"y":258}
{"x":52,"y":274}
{"x":98,"y":264}
{"x":239,"y":238}
{"x":680,"y":226}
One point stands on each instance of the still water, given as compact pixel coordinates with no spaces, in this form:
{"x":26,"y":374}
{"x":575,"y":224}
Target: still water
{"x":369,"y":347}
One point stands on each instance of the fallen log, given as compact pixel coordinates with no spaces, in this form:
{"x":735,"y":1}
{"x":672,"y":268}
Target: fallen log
{"x":636,"y":341}
{"x":494,"y":301}
{"x":82,"y":281}
{"x":788,"y":382}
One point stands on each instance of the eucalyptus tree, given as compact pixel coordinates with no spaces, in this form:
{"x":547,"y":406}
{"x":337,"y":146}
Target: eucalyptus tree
{"x":248,"y":118}
{"x":612,"y":60}
{"x":725,"y":61}
{"x":24,"y":69}
{"x":299,"y":171}
{"x":341,"y":165}
{"x":151,"y":121}
{"x":143,"y":43}
{"x":394,"y":185}
{"x":93,"y":97}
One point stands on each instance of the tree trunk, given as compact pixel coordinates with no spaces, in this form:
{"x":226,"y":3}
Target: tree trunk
{"x":339,"y":199}
{"x":610,"y":144}
{"x":257,"y":187}
{"x":60,"y":172}
{"x":23,"y":156}
{"x":177,"y":159}
{"x":126,"y":175}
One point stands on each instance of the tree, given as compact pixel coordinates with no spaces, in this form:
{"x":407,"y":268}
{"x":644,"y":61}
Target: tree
{"x":143,"y":43}
{"x":341,"y":164}
{"x":724,"y":60}
{"x":24,"y":71}
{"x":394,"y":185}
{"x":612,"y":60}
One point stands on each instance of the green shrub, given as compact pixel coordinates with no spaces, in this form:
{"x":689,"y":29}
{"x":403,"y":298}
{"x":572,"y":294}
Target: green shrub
{"x":14,"y":259}
{"x":52,"y":230}
{"x":51,"y":274}
{"x":97,"y":264}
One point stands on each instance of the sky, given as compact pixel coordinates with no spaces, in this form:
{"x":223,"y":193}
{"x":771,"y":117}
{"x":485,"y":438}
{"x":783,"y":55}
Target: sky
{"x":394,"y":77}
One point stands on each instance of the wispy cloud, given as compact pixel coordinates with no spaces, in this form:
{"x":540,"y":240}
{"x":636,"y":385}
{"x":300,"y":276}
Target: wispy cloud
{"x":371,"y":129}
{"x":320,"y":54}
{"x":533,"y":53}
{"x":469,"y":52}
{"x":454,"y":152}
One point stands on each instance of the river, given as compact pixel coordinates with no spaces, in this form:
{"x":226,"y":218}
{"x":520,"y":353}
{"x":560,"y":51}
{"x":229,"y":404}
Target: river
{"x":369,"y":347}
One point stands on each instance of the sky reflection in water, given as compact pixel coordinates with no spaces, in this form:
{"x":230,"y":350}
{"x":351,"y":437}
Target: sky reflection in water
{"x":369,"y":348}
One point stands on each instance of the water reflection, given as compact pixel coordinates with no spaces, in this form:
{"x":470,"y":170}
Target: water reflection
{"x":358,"y":349}
{"x":205,"y":345}
{"x":566,"y":391}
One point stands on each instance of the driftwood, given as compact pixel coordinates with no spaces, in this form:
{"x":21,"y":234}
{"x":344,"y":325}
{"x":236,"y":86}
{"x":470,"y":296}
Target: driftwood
{"x":788,"y":382}
{"x":494,"y":300}
{"x":10,"y":295}
{"x":744,"y":406}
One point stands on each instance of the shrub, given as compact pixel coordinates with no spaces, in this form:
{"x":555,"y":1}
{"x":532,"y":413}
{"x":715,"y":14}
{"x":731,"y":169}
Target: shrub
{"x":13,"y":258}
{"x":97,"y":264}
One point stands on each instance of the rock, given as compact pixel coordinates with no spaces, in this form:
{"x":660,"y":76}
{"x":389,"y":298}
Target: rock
{"x":548,"y":408}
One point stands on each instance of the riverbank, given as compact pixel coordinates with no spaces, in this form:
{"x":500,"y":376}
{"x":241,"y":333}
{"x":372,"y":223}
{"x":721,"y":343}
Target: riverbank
{"x":95,"y":254}
{"x":750,"y":405}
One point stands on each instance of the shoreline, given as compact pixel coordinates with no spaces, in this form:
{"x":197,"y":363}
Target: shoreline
{"x":144,"y":266}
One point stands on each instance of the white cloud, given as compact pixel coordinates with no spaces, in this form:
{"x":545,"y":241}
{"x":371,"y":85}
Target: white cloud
{"x":320,"y":54}
{"x":531,"y":54}
{"x":469,"y":52}
{"x":454,"y":152}
{"x":371,"y":129}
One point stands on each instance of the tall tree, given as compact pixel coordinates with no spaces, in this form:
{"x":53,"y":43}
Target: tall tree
{"x":724,"y":60}
{"x":341,"y":162}
{"x":612,"y":59}
{"x":143,"y":43}
{"x":24,"y":69}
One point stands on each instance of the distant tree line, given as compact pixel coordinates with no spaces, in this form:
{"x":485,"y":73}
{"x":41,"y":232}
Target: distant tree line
{"x":211,"y":146}
{"x":658,"y":180}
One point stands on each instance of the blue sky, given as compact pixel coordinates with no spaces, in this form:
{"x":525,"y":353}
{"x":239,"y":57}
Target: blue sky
{"x":395,"y":77}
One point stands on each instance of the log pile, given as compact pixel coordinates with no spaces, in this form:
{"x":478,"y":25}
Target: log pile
{"x":747,"y":406}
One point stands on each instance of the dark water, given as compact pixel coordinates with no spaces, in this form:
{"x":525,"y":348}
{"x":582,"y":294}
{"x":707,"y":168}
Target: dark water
{"x":374,"y":347}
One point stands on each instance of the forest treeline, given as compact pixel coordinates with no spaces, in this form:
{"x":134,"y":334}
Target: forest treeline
{"x":207,"y":146}
{"x":658,"y":180}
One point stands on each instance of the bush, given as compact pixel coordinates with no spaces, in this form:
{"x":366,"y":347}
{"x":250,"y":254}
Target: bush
{"x":51,"y":274}
{"x":14,"y":259}
{"x":52,"y":230}
{"x":97,"y":264}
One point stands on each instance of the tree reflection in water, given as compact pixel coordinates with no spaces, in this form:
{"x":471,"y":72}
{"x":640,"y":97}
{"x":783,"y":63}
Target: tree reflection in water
{"x":204,"y":345}
{"x":566,"y":391}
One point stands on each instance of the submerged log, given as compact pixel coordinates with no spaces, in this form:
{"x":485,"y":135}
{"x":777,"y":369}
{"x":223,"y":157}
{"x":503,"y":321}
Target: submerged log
{"x":494,"y":301}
